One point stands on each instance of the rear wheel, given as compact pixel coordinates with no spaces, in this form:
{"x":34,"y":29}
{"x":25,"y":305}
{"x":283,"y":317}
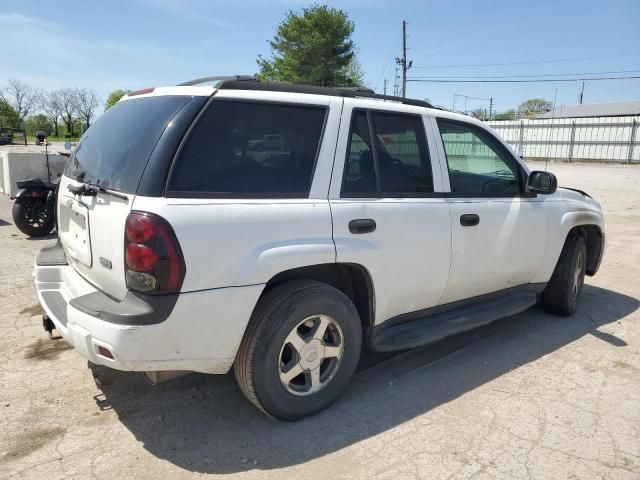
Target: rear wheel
{"x":300,"y":350}
{"x":563,"y":290}
{"x":34,"y":219}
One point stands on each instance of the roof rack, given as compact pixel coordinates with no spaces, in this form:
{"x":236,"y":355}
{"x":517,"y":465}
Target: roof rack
{"x":219,"y":80}
{"x":249,"y":82}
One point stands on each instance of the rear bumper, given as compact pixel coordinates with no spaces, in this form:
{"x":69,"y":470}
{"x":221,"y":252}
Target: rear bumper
{"x":201,"y":332}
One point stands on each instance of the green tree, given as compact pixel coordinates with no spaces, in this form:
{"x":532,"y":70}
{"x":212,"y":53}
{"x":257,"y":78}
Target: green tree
{"x":508,"y":115}
{"x":8,"y":116}
{"x":37,"y":122}
{"x":534,"y":107}
{"x":313,"y":48}
{"x":23,"y":98}
{"x":113,"y":98}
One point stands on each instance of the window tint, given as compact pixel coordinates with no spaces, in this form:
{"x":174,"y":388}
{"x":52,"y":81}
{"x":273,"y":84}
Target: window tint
{"x":360,"y":176}
{"x":478,"y":163}
{"x":114,"y":151}
{"x":250,"y":148}
{"x":401,"y":162}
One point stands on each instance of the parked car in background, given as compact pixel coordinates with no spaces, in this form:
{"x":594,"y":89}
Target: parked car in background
{"x":279,"y":229}
{"x":41,"y":137}
{"x":6,"y":136}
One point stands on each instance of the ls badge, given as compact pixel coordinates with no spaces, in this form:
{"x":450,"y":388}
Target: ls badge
{"x":106,"y":263}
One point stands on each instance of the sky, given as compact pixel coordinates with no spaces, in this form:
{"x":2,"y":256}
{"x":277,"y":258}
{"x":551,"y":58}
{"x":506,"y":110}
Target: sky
{"x":106,"y":45}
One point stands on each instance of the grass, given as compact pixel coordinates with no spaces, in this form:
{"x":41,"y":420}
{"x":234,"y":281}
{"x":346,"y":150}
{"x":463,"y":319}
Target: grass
{"x":32,"y":140}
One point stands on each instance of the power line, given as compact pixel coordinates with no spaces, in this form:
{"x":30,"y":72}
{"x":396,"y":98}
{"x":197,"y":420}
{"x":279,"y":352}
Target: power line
{"x":389,"y":61}
{"x":470,"y":98}
{"x":530,"y":62}
{"x":529,"y":76}
{"x":543,"y":80}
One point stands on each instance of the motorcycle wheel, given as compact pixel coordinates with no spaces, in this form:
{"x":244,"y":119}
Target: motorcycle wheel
{"x":33,"y":219}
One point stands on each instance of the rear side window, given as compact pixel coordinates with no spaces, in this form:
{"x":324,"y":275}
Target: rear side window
{"x":114,"y":151}
{"x":387,"y":156}
{"x":252,"y":149}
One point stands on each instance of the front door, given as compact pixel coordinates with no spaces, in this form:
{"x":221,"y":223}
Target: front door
{"x":499,"y":232}
{"x":388,"y":211}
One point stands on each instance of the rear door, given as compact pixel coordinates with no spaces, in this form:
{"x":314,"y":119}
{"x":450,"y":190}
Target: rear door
{"x":111,"y":155}
{"x":389,"y":214}
{"x":247,"y":194}
{"x":498,"y":231}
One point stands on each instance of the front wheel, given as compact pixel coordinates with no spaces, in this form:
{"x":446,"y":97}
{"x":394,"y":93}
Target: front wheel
{"x":34,"y":219}
{"x":300,"y":350}
{"x":563,"y":290}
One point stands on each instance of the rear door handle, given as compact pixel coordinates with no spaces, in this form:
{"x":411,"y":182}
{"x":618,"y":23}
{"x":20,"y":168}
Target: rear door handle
{"x":362,"y":225}
{"x":469,"y":220}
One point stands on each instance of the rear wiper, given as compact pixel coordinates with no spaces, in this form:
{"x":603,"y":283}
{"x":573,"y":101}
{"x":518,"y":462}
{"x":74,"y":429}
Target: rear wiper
{"x":108,"y":192}
{"x":84,"y":189}
{"x":90,"y":190}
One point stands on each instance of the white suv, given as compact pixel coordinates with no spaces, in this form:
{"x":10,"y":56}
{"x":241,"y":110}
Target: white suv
{"x":277,"y":229}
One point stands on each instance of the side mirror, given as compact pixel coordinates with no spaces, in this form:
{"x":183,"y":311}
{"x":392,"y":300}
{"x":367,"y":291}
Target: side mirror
{"x":544,"y":183}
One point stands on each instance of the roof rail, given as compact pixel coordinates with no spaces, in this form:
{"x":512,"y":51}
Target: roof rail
{"x":249,"y":82}
{"x":356,"y":89}
{"x":220,"y":79}
{"x":358,"y":92}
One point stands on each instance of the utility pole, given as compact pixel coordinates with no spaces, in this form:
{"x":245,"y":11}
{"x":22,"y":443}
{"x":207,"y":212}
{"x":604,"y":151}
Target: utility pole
{"x":490,"y":107}
{"x":395,"y":82}
{"x":581,"y":93}
{"x":402,"y":61}
{"x":385,"y":86}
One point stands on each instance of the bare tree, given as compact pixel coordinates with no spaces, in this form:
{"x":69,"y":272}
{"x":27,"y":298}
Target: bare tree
{"x":67,"y":102}
{"x":86,"y":102}
{"x":51,"y":106}
{"x":479,"y":113}
{"x":22,"y":97}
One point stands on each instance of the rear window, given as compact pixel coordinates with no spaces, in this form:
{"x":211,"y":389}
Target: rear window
{"x":250,"y":149}
{"x":114,"y":151}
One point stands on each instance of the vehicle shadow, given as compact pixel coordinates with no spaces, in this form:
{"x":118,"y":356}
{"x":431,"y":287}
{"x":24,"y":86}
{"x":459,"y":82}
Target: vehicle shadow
{"x":203,"y":423}
{"x":48,"y":236}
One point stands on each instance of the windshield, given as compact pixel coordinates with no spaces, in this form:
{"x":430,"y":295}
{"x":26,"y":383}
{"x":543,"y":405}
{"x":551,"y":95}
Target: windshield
{"x":114,"y":151}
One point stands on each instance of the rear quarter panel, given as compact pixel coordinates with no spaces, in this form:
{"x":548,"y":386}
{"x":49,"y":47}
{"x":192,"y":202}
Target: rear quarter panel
{"x":244,"y":242}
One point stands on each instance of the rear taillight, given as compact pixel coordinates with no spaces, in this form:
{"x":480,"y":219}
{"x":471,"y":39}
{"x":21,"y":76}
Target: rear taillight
{"x":153,"y":260}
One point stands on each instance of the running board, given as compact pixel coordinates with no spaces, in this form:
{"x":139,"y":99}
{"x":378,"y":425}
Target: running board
{"x":434,"y":326}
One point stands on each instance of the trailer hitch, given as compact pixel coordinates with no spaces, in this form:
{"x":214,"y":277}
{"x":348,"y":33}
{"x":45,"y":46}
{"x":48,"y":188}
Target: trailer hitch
{"x":49,"y":327}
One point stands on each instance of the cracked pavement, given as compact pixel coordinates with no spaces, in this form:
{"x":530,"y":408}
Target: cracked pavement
{"x":533,"y":396}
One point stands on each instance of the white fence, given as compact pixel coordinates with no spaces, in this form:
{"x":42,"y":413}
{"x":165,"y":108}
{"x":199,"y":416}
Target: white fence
{"x":600,"y":139}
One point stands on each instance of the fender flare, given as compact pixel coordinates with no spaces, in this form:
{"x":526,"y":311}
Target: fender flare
{"x":558,"y":237}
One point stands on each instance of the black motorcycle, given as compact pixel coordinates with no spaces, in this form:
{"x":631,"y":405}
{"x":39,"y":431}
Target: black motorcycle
{"x":34,"y":209}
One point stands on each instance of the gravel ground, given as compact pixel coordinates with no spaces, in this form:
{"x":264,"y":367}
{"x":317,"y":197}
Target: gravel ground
{"x":531,"y":396}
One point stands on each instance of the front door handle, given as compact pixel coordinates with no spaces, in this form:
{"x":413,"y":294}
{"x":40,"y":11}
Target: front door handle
{"x":469,"y":220}
{"x":362,"y":225}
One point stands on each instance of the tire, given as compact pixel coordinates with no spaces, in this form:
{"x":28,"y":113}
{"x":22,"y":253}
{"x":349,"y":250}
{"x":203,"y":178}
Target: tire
{"x":297,"y":311}
{"x":563,"y":290}
{"x":32,"y":220}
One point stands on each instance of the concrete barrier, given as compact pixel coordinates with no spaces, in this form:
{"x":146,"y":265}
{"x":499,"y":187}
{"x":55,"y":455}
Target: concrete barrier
{"x":15,"y":166}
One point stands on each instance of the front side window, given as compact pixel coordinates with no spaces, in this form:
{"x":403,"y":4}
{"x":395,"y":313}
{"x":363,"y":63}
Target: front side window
{"x":387,"y":156}
{"x":253,"y":149}
{"x":478,"y":163}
